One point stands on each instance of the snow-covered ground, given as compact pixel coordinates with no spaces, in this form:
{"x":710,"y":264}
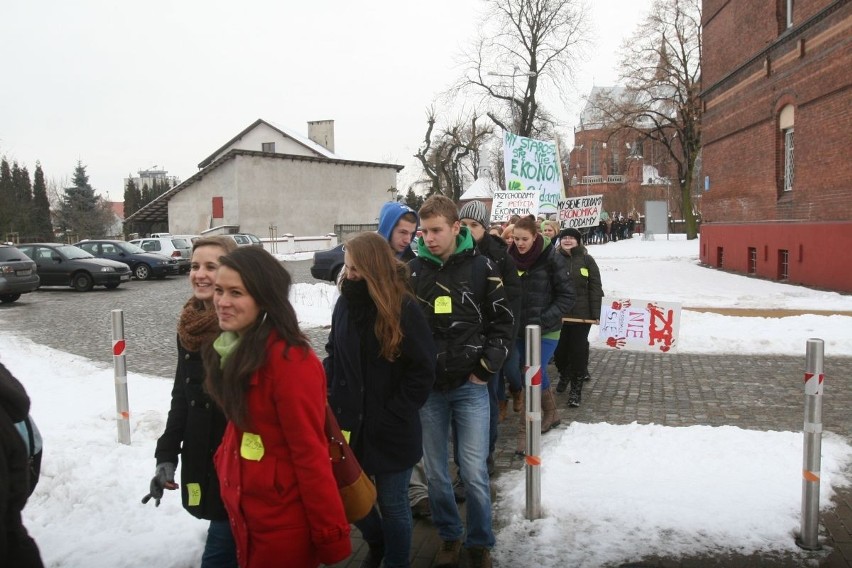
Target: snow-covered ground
{"x":612,"y":492}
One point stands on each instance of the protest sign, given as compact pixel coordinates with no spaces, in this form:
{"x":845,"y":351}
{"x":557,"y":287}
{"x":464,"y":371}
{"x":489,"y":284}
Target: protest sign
{"x":533,"y":165}
{"x":508,"y":203}
{"x":639,"y":325}
{"x":579,"y":212}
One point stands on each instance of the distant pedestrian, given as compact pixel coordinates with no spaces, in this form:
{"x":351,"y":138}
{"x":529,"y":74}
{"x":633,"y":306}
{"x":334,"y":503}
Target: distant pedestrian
{"x":380,"y":369}
{"x":274,"y":470}
{"x":572,"y":353}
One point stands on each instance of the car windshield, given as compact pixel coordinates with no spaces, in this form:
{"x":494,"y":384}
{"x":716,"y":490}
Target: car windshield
{"x":131,"y":248}
{"x":73,"y":253}
{"x":181,"y":243}
{"x":253,"y":239}
{"x":8,"y":254}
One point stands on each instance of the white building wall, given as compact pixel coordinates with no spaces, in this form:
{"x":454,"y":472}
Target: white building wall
{"x":254,"y":139}
{"x":303,"y":197}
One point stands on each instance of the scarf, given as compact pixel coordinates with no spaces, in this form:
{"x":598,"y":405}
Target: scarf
{"x":225,"y":345}
{"x":198,"y":325}
{"x":362,"y":308}
{"x":524,"y":261}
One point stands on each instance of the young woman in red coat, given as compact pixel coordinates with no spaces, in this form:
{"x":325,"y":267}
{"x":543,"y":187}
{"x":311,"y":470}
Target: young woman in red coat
{"x":274,"y":469}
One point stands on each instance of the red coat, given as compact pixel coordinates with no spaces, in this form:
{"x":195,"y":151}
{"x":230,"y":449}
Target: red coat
{"x":282,"y":500}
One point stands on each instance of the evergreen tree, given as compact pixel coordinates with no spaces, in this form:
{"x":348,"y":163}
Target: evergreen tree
{"x":82,"y":214}
{"x":7,"y":198}
{"x":23,"y":196}
{"x":41,"y":227}
{"x":413,"y":200}
{"x":132,"y":197}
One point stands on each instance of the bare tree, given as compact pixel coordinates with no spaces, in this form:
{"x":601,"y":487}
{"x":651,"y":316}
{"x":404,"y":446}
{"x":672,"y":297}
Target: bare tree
{"x":661,"y":74}
{"x":452,"y":154}
{"x":526,"y":44}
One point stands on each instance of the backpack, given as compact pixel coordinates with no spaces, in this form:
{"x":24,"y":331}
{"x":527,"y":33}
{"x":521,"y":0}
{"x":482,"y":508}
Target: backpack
{"x":32,"y":439}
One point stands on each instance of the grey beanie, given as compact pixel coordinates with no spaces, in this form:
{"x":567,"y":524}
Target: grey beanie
{"x":475,"y":210}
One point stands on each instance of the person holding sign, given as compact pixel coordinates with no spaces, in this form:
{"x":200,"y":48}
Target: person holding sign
{"x":274,"y":470}
{"x":195,"y":424}
{"x":380,"y":369}
{"x":572,"y":353}
{"x":546,"y":294}
{"x":462,"y":296}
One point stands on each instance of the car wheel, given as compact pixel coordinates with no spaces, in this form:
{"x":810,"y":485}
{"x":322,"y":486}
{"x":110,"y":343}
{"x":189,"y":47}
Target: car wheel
{"x":8,"y":298}
{"x":111,"y":286}
{"x":142,"y":272}
{"x":82,"y":282}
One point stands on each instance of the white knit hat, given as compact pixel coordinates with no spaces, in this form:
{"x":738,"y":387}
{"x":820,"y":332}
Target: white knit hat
{"x":475,"y":210}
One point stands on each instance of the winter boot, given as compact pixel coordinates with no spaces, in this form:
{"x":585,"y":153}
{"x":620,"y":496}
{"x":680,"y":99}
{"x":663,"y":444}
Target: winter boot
{"x":576,"y":391}
{"x":549,"y":413}
{"x":478,"y":557}
{"x":503,"y":406}
{"x":374,"y":556}
{"x":517,"y":400}
{"x":448,"y":555}
{"x":564,"y":381}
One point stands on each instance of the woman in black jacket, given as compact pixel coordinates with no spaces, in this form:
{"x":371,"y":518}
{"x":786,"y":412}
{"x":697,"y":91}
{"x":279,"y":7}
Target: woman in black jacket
{"x":380,"y":369}
{"x":572,"y":353}
{"x":195,"y":425}
{"x":546,"y":295}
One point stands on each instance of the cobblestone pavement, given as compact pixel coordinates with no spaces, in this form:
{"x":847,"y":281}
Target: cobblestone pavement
{"x":754,"y":392}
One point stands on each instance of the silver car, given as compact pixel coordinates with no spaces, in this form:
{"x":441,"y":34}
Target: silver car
{"x":18,"y":274}
{"x":179,"y":248}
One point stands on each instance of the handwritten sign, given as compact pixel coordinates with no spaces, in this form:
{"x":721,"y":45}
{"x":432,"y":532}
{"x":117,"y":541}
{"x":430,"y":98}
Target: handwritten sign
{"x":579,"y":212}
{"x":533,"y":165}
{"x":639,"y":325}
{"x":508,"y":203}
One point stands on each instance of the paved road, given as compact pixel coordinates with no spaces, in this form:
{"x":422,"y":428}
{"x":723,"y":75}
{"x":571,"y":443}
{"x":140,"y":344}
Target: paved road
{"x":80,"y":323}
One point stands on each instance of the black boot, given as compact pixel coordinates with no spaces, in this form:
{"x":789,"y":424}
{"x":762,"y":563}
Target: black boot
{"x":374,"y":556}
{"x":576,"y":391}
{"x":562,"y":385}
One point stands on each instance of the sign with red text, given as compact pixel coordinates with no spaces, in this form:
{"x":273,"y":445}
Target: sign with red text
{"x":508,"y":203}
{"x":533,"y":165}
{"x":639,"y":325}
{"x":579,"y":212}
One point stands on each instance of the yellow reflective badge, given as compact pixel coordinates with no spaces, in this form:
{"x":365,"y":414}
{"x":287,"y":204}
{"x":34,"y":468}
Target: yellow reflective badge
{"x":443,"y":305}
{"x":584,"y":271}
{"x":252,"y":447}
{"x":193,"y":492}
{"x":346,"y":434}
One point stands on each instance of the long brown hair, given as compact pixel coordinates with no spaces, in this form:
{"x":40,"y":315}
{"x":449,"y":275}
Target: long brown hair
{"x":268,"y":283}
{"x":387,"y":283}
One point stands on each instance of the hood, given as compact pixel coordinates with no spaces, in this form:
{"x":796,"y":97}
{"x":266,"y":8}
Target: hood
{"x":389,"y":217}
{"x":464,"y":241}
{"x":119,"y":266}
{"x":13,"y":397}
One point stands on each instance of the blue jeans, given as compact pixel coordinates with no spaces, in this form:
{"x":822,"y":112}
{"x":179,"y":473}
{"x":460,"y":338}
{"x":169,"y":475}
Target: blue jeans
{"x":467,"y":408}
{"x":493,"y":418}
{"x":548,"y":346}
{"x":220,"y":550}
{"x":393,"y":527}
{"x":512,"y":369}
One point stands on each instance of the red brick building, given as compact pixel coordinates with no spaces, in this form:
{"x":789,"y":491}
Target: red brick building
{"x":777,"y":139}
{"x":618,"y":164}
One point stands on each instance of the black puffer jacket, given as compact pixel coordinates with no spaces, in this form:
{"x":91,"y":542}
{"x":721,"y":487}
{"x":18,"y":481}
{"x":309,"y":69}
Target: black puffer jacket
{"x":465,"y":304}
{"x":587,"y":283}
{"x":377,"y":400}
{"x":494,"y":248}
{"x":547,"y":292}
{"x":194,"y":430}
{"x":16,"y":546}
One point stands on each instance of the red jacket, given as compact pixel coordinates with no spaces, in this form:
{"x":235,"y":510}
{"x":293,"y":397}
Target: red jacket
{"x":279,"y":491}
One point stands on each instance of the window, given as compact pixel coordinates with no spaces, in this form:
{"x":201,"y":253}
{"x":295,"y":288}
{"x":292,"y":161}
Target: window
{"x":720,"y":257}
{"x":789,"y":169}
{"x":615,"y":163}
{"x":783,"y":264}
{"x":268,"y":147}
{"x":595,"y":166}
{"x":785,"y":149}
{"x":752,"y":260}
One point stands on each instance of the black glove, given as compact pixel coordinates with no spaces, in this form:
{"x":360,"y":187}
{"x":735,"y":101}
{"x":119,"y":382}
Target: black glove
{"x":164,"y":477}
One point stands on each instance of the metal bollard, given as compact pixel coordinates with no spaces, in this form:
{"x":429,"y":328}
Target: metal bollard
{"x":532,"y":372}
{"x":122,"y":404}
{"x":808,"y":538}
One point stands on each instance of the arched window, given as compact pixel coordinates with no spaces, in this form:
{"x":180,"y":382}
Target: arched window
{"x":786,"y":121}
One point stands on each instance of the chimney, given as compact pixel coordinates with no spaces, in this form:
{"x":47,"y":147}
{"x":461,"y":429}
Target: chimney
{"x":322,"y":132}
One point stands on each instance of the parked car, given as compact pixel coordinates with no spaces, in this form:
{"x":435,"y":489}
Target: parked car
{"x":246,"y":240}
{"x":175,"y":247}
{"x":18,"y":274}
{"x":67,"y":265}
{"x":143,"y":264}
{"x":328,"y":263}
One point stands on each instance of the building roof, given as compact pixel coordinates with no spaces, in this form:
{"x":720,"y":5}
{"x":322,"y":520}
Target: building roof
{"x":287,"y":133}
{"x":483,"y":188}
{"x":117,"y":207}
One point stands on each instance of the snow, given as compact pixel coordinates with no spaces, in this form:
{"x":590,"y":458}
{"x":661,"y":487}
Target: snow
{"x":613,"y":492}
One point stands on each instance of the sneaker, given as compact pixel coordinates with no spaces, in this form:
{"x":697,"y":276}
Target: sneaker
{"x":421,"y":509}
{"x":374,"y":556}
{"x":563,"y":384}
{"x":458,"y":490}
{"x":478,"y":557}
{"x":587,"y":377}
{"x":448,"y":556}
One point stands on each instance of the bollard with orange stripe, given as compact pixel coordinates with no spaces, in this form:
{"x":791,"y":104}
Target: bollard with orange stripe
{"x":122,"y":405}
{"x":812,"y":447}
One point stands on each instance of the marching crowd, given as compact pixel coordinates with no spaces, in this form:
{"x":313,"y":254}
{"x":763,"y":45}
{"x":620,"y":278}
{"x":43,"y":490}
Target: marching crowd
{"x":424,"y":349}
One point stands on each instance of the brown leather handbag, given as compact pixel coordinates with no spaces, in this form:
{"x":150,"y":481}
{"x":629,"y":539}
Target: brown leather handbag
{"x":356,"y":490}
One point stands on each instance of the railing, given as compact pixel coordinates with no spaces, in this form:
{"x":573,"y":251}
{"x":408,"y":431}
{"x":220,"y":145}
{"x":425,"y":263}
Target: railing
{"x":589,"y":180}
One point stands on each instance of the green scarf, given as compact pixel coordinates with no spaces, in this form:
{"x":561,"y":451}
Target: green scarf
{"x":225,"y":345}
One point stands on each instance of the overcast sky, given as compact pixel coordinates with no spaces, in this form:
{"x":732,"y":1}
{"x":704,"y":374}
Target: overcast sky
{"x":124,"y":86}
